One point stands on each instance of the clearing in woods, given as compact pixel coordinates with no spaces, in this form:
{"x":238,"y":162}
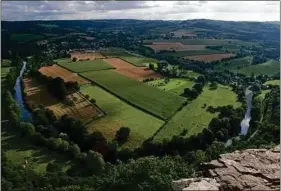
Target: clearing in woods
{"x":194,"y":117}
{"x":81,"y":108}
{"x":57,"y":71}
{"x":126,"y":69}
{"x":209,"y":57}
{"x":120,"y":114}
{"x":154,"y":101}
{"x":84,"y":55}
{"x":273,"y":82}
{"x":18,"y":150}
{"x":85,"y":66}
{"x":174,"y":85}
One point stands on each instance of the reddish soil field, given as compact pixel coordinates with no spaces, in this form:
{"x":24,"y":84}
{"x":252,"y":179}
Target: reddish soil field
{"x":81,"y":109}
{"x":83,"y":55}
{"x":209,"y":57}
{"x":66,"y":75}
{"x":138,"y":73}
{"x":177,"y":46}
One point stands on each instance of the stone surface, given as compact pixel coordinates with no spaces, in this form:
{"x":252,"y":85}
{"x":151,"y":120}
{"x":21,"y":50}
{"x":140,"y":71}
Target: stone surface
{"x":251,"y":169}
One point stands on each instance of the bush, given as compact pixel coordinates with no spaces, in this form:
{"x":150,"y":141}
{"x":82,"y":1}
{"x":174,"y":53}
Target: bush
{"x":122,"y":134}
{"x":74,"y":59}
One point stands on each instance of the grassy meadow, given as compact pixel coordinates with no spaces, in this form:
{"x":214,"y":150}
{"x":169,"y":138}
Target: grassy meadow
{"x":138,"y":61}
{"x":18,"y":148}
{"x":273,"y":82}
{"x":194,"y":116}
{"x":155,"y":101}
{"x":175,"y":85}
{"x":120,"y":114}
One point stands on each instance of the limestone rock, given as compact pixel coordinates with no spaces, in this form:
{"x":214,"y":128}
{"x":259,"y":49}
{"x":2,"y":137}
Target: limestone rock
{"x":251,"y":169}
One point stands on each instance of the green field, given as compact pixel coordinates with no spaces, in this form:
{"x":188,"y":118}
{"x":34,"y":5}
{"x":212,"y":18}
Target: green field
{"x":194,"y":117}
{"x":5,"y":62}
{"x":235,"y":64}
{"x":273,"y":82}
{"x":114,"y":52}
{"x":120,"y":114}
{"x":271,"y":67}
{"x":48,"y":25}
{"x":85,"y":66}
{"x":17,"y":149}
{"x":138,"y":61}
{"x":191,"y":52}
{"x":203,"y":41}
{"x":157,"y":102}
{"x":26,"y":37}
{"x":175,"y":85}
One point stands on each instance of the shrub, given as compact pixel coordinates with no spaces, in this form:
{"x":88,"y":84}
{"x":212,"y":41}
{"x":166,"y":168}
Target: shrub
{"x":122,"y":134}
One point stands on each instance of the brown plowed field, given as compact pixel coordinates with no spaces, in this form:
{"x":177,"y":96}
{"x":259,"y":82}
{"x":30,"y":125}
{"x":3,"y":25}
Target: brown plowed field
{"x":209,"y":57}
{"x":176,"y":46}
{"x":82,"y":55}
{"x":82,"y":108}
{"x":57,"y":71}
{"x":138,"y":73}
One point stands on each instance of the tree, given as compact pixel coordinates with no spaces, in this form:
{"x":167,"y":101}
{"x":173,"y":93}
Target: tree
{"x":27,"y":128}
{"x":74,"y":150}
{"x":74,"y":59}
{"x":122,"y":134}
{"x":151,"y":66}
{"x":93,"y":101}
{"x":94,"y":163}
{"x":198,"y":87}
{"x":213,"y":86}
{"x":52,"y":167}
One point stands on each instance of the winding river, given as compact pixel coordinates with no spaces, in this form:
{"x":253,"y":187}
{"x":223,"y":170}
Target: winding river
{"x":25,"y":115}
{"x":245,"y":122}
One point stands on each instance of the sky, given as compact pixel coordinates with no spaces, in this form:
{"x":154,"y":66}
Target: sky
{"x":147,"y":10}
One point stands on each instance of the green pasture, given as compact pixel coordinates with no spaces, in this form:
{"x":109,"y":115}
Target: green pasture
{"x":139,"y":61}
{"x":273,"y":82}
{"x":120,"y":114}
{"x":153,"y":100}
{"x":194,"y":117}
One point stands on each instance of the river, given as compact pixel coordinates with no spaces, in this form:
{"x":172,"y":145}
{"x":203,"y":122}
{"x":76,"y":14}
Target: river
{"x":25,"y":115}
{"x":245,"y":123}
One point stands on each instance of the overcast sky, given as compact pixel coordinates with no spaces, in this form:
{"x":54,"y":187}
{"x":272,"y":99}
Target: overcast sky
{"x":152,"y":10}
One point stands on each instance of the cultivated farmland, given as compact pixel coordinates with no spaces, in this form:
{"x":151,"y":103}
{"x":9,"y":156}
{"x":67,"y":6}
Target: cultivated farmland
{"x":192,"y":52}
{"x":84,"y":55}
{"x":57,"y":71}
{"x":176,"y":46}
{"x":194,"y":116}
{"x":157,"y":102}
{"x":209,"y":57}
{"x":126,"y":69}
{"x":138,"y":61}
{"x":120,"y":114}
{"x":81,"y":108}
{"x":85,"y":66}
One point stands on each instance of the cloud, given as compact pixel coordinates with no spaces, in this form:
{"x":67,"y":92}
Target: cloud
{"x":153,"y":10}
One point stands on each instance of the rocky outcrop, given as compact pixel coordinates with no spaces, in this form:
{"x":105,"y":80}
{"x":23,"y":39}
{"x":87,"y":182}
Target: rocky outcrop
{"x":251,"y":169}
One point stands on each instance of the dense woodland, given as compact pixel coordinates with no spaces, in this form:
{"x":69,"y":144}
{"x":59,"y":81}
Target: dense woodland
{"x":100,"y":164}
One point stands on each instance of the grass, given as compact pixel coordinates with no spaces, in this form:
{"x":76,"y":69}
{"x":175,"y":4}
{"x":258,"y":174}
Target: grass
{"x":194,"y":117}
{"x":18,"y":148}
{"x":5,"y":63}
{"x":271,"y":67}
{"x":235,"y":64}
{"x":154,"y":101}
{"x":175,"y":85}
{"x":26,"y":37}
{"x":273,"y":82}
{"x":118,"y":114}
{"x":202,"y":41}
{"x":115,"y":52}
{"x":191,"y":74}
{"x":85,"y":66}
{"x":191,"y":52}
{"x":138,"y":61}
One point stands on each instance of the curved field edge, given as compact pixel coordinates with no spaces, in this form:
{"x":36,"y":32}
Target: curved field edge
{"x":156,"y":102}
{"x":120,"y":114}
{"x":194,"y":117}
